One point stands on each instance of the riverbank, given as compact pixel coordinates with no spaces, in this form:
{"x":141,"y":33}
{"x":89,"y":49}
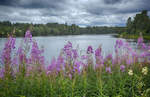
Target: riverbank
{"x":131,"y":36}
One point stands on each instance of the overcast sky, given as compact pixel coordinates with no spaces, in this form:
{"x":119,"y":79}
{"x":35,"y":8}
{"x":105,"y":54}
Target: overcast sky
{"x":80,"y":12}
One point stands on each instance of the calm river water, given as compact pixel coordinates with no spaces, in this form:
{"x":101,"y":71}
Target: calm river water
{"x":53,"y":44}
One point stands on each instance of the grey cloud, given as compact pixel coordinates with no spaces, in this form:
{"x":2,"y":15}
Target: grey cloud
{"x":34,"y":3}
{"x":112,"y":1}
{"x":80,"y":12}
{"x":8,"y":2}
{"x":105,"y":7}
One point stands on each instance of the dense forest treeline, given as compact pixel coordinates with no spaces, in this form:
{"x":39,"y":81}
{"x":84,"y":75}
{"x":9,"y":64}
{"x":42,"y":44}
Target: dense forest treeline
{"x":139,"y":24}
{"x":7,"y":28}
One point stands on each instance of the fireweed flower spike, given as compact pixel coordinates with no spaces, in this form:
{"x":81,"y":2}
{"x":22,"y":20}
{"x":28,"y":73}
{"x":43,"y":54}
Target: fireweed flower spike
{"x":21,"y":55}
{"x":6,"y":53}
{"x":128,"y":61}
{"x":89,"y":50}
{"x":36,"y":54}
{"x":119,"y":43}
{"x":98,"y":57}
{"x":53,"y":65}
{"x":98,"y":51}
{"x":75,"y":54}
{"x":122,"y":68}
{"x":68,"y":50}
{"x":76,"y":66}
{"x":2,"y":70}
{"x":109,"y":57}
{"x":108,"y":69}
{"x":140,"y":40}
{"x":28,"y":36}
{"x":144,"y":46}
{"x":83,"y":57}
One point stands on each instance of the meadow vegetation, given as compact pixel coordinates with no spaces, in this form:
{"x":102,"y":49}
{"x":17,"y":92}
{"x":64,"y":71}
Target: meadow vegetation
{"x":24,"y":72}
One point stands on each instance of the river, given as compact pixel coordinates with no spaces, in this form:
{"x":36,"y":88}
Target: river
{"x":53,"y":44}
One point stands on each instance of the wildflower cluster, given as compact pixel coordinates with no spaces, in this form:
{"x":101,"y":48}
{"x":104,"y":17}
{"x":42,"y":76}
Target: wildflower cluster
{"x":72,"y":68}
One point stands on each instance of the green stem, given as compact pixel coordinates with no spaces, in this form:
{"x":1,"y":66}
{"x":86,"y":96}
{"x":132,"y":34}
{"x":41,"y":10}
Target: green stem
{"x":133,"y":87}
{"x":73,"y":84}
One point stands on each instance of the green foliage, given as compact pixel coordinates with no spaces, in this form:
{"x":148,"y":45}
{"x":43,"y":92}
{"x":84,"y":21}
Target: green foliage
{"x":140,"y":23}
{"x":7,"y":27}
{"x":90,"y":83}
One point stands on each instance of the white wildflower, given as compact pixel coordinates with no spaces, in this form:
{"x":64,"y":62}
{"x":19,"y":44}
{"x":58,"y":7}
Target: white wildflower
{"x":130,"y":72}
{"x":145,"y":70}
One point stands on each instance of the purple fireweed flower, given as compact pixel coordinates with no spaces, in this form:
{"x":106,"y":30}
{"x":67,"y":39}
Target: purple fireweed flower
{"x":15,"y":70}
{"x":144,"y":54}
{"x":2,"y":70}
{"x":52,"y":66}
{"x":21,"y":55}
{"x":108,"y":69}
{"x":68,"y":46}
{"x":55,"y":65}
{"x":98,"y":52}
{"x":99,"y":60}
{"x":115,"y":61}
{"x":36,"y":54}
{"x":109,"y":57}
{"x":119,"y":43}
{"x":99,"y":65}
{"x":140,"y":43}
{"x":76,"y":66}
{"x":42,"y":60}
{"x":68,"y":53}
{"x":116,"y":50}
{"x":148,"y":53}
{"x":129,"y":61}
{"x":70,"y":76}
{"x":140,"y":40}
{"x":122,"y":68}
{"x":129,"y":49}
{"x":148,"y":47}
{"x":29,"y":61}
{"x":143,"y":46}
{"x":68,"y":50}
{"x":20,"y":50}
{"x":29,"y":70}
{"x":83,"y":57}
{"x":28,"y":36}
{"x":60,"y":60}
{"x":89,"y":50}
{"x":75,"y":54}
{"x":134,"y":54}
{"x":14,"y":61}
{"x":126,"y":45}
{"x":13,"y":42}
{"x":6,"y":53}
{"x":60,"y":63}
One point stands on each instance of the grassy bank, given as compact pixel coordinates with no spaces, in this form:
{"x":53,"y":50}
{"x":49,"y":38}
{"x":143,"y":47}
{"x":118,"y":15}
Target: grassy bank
{"x":131,"y":36}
